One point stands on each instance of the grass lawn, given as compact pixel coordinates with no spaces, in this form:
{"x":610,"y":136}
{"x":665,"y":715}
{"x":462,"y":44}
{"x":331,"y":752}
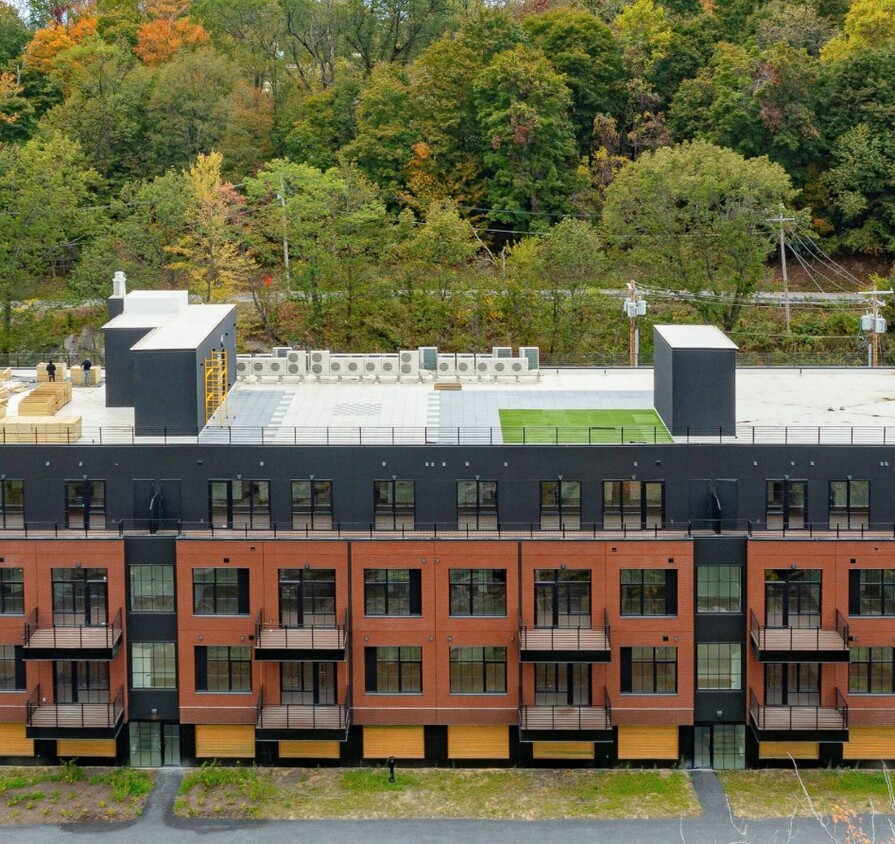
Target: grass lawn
{"x":293,"y":793}
{"x":582,"y":426}
{"x":68,"y":793}
{"x":776,"y":793}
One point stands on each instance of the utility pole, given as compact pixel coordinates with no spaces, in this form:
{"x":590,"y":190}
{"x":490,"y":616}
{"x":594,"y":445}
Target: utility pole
{"x":634,"y":307}
{"x":780,"y":220}
{"x":282,"y":197}
{"x":874,"y":323}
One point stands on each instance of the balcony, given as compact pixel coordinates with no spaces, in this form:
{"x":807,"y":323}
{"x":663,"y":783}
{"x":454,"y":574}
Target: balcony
{"x":566,"y":723}
{"x":311,"y":643}
{"x":799,"y":723}
{"x":82,"y":642}
{"x":565,"y":644}
{"x":296,"y":722}
{"x":800,"y":644}
{"x":73,"y":720}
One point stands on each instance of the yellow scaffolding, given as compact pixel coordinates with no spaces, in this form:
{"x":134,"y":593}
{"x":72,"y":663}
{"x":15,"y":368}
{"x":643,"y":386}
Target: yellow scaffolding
{"x":216,"y":384}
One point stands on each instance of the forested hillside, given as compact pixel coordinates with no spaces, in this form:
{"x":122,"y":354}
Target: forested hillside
{"x":377,"y":174}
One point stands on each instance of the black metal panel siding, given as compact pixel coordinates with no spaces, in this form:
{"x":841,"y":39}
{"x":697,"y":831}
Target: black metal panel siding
{"x":119,"y":366}
{"x":663,"y":380}
{"x":704,"y":390}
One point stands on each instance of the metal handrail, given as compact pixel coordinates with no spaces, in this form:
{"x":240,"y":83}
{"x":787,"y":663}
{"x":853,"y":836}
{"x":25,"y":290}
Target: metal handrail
{"x":341,"y":631}
{"x":114,"y":711}
{"x":758,"y":712}
{"x":759,"y":632}
{"x":32,"y":625}
{"x":527,"y":630}
{"x":565,"y":710}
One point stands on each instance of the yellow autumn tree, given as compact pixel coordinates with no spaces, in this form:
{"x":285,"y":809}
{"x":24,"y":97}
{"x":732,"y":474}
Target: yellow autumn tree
{"x":211,"y":254}
{"x":51,"y":40}
{"x":869,"y":25}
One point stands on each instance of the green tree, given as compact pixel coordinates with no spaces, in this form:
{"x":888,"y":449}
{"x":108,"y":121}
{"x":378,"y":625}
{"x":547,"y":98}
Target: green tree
{"x":798,"y":25}
{"x":523,"y":109}
{"x":645,"y":34}
{"x":693,"y":217}
{"x":869,"y":25}
{"x":14,"y":35}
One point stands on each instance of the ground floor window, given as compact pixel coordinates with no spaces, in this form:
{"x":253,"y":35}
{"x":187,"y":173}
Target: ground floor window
{"x":153,"y":744}
{"x":720,"y":746}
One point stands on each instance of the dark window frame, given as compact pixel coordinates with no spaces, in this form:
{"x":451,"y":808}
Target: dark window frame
{"x":466,"y":592}
{"x":638,"y":590}
{"x":314,"y":508}
{"x":12,"y":669}
{"x":860,"y":583}
{"x":90,"y":503}
{"x":12,"y":591}
{"x":855,"y":515}
{"x":408,"y":667}
{"x":709,"y":667}
{"x":240,"y":581}
{"x":784,"y":511}
{"x":654,"y":657}
{"x":12,"y":505}
{"x":383,"y":586}
{"x":555,"y":505}
{"x":861,"y":662}
{"x":625,"y":513}
{"x":392,"y":511}
{"x":477,"y":509}
{"x":255,"y":515}
{"x":237,"y":658}
{"x":166,"y":600}
{"x":168,"y":660}
{"x":475,"y":663}
{"x":703,"y":578}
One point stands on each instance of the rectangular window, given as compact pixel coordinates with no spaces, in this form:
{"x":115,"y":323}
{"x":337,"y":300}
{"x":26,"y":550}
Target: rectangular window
{"x":477,"y":505}
{"x":478,"y":592}
{"x":393,"y":592}
{"x":12,"y":669}
{"x":562,"y":684}
{"x":785,"y":504}
{"x":871,"y":592}
{"x":649,"y":671}
{"x":478,"y":671}
{"x":308,"y":683}
{"x":633,"y":505}
{"x":560,"y":505}
{"x":307,"y":597}
{"x":85,"y":504}
{"x":719,"y":589}
{"x":239,"y":504}
{"x":12,"y":503}
{"x":153,"y":665}
{"x":562,"y":598}
{"x":312,"y":505}
{"x":719,"y":666}
{"x":80,"y":597}
{"x":649,"y":592}
{"x":152,"y":588}
{"x":12,"y":592}
{"x":849,"y":504}
{"x":220,"y":591}
{"x":870,"y":671}
{"x":222,"y":668}
{"x":393,"y":505}
{"x":394,"y":670}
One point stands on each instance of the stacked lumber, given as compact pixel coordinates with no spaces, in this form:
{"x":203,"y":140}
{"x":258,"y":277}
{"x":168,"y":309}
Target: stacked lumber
{"x":5,"y":374}
{"x":61,"y":372}
{"x":77,"y":376}
{"x":45,"y":399}
{"x":40,"y":429}
{"x":447,"y":385}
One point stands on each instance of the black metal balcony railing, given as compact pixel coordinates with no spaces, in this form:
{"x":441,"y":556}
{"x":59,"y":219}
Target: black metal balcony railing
{"x":303,"y":718}
{"x":307,"y":637}
{"x":798,"y":718}
{"x":41,"y":636}
{"x":596,"y":718}
{"x":565,"y":639}
{"x":805,"y":640}
{"x":73,"y":716}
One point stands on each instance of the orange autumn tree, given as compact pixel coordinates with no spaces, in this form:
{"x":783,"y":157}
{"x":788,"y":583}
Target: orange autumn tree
{"x":51,"y":40}
{"x":168,"y":31}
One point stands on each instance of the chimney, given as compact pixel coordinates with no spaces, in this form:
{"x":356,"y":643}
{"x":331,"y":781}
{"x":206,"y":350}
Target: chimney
{"x":119,"y":291}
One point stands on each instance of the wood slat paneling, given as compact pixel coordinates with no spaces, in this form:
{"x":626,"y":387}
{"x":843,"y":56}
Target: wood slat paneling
{"x":86,"y":747}
{"x":785,"y":749}
{"x":13,"y":741}
{"x":870,"y":743}
{"x":225,"y":741}
{"x":309,"y":750}
{"x":400,"y":742}
{"x":562,"y":750}
{"x":647,"y":743}
{"x":467,"y":742}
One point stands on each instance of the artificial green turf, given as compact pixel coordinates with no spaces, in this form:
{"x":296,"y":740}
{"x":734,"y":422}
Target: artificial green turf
{"x":583,"y":426}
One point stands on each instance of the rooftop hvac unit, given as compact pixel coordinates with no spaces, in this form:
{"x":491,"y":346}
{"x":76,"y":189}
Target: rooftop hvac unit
{"x":533,"y":355}
{"x":346,"y":366}
{"x":447,"y":365}
{"x":428,"y":358}
{"x":260,"y":366}
{"x":501,"y":351}
{"x":409,"y":363}
{"x":390,"y":366}
{"x":510,"y":366}
{"x":484,"y":366}
{"x":297,"y":363}
{"x":318,"y":363}
{"x":280,"y":351}
{"x":243,"y":367}
{"x":277,"y":367}
{"x":372,"y":366}
{"x":465,"y":364}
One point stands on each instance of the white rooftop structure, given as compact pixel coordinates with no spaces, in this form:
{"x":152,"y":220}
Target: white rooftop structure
{"x":695,"y":337}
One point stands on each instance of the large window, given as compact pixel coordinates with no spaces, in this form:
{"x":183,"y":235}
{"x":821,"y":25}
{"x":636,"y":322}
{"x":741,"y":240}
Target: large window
{"x":153,"y":665}
{"x":562,"y":598}
{"x":719,"y":665}
{"x":12,"y":503}
{"x":394,"y":505}
{"x":649,"y":671}
{"x":308,"y":683}
{"x":308,"y":597}
{"x":221,"y":591}
{"x":649,"y":592}
{"x":312,"y":505}
{"x":239,"y":504}
{"x":223,"y":668}
{"x":560,"y":505}
{"x":393,"y":592}
{"x":152,"y":588}
{"x":849,"y":504}
{"x":719,"y":589}
{"x":871,"y":592}
{"x":12,"y":669}
{"x":12,"y":594}
{"x":80,"y":597}
{"x":478,"y":591}
{"x":82,"y":681}
{"x":792,"y":597}
{"x":870,"y":671}
{"x":633,"y":505}
{"x":478,"y":671}
{"x":477,"y":505}
{"x":785,"y":504}
{"x":562,"y":684}
{"x":394,"y":670}
{"x":85,"y":504}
